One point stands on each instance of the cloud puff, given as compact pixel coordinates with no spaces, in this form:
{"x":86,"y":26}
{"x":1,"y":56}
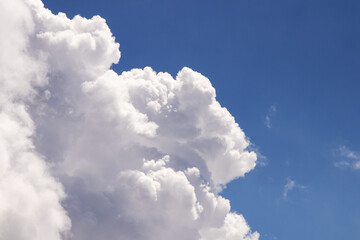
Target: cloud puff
{"x":90,"y":154}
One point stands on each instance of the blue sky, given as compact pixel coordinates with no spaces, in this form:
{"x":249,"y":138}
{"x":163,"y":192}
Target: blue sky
{"x":288,"y":71}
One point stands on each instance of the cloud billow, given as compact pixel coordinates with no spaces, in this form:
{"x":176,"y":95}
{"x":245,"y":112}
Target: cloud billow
{"x":90,"y":154}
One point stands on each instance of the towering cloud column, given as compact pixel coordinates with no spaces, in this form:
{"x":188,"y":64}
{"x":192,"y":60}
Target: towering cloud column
{"x":88,"y":154}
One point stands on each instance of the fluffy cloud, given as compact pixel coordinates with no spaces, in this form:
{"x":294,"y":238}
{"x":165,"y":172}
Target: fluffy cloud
{"x":140,"y":155}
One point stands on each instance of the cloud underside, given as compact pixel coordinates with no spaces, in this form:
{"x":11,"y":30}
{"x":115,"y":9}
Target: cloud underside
{"x":86,"y":153}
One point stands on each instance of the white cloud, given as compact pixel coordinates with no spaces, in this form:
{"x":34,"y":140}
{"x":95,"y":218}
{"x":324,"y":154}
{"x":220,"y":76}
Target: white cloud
{"x":346,"y":152}
{"x":290,"y":185}
{"x":350,"y":159}
{"x":271,"y":112}
{"x":90,"y":154}
{"x":30,"y":198}
{"x":233,"y":229}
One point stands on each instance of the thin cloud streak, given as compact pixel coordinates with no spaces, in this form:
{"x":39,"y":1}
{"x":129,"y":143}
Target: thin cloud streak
{"x":271,"y":112}
{"x":291,"y":185}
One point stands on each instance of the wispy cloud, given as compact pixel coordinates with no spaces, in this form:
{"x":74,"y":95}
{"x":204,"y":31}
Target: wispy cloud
{"x":346,"y":152}
{"x":290,"y":185}
{"x":349,"y":158}
{"x":261,"y":160}
{"x":271,"y":112}
{"x":268,"y":236}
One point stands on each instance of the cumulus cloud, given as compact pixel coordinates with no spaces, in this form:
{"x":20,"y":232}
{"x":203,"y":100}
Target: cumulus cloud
{"x":290,"y":185}
{"x":87,"y":153}
{"x":350,"y":159}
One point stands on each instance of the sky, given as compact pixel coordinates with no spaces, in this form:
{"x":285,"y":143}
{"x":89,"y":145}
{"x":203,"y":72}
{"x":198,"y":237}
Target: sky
{"x":286,"y":70}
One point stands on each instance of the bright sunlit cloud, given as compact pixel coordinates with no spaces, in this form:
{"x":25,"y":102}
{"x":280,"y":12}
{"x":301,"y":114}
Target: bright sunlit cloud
{"x":87,"y":153}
